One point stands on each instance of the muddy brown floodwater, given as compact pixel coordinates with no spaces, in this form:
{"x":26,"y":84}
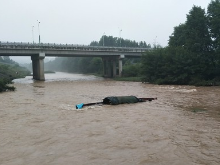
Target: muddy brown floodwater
{"x":39,"y":124}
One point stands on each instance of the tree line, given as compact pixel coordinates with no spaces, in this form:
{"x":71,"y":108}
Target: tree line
{"x":119,"y":42}
{"x":192,"y":56}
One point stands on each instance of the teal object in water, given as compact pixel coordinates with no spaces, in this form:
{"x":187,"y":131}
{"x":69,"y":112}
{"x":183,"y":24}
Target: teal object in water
{"x":115,"y":100}
{"x":79,"y":106}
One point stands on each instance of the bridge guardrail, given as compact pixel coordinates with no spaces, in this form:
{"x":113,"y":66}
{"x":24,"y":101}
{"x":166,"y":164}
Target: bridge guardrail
{"x":27,"y":45}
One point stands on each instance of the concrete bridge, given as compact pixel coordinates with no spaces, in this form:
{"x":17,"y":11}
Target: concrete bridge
{"x":37,"y":52}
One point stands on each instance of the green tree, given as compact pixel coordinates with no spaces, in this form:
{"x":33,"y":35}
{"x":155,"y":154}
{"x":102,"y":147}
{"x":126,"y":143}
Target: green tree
{"x":131,"y":70}
{"x":117,"y":42}
{"x":94,"y":43}
{"x":197,"y":32}
{"x":214,"y":23}
{"x":194,"y":34}
{"x":190,"y":57}
{"x":178,"y":37}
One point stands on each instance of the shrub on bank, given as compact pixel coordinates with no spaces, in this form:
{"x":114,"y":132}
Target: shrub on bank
{"x":4,"y":85}
{"x":178,"y":66}
{"x":8,"y":72}
{"x":131,"y":70}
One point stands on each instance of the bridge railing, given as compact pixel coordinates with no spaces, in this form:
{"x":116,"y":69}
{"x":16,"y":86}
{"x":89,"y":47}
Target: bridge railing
{"x":27,"y":45}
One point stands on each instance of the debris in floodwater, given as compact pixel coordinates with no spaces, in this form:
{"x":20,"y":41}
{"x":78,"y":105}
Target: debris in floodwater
{"x":115,"y":100}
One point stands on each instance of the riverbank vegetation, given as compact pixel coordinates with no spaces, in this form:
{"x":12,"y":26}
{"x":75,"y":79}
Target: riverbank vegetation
{"x":10,"y":70}
{"x":192,"y":56}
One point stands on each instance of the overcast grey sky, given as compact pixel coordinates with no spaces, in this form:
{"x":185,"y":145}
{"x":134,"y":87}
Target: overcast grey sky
{"x":83,"y":21}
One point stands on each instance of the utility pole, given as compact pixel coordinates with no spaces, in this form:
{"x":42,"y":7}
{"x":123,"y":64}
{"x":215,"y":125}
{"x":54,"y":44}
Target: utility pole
{"x":39,"y":30}
{"x":103,"y":39}
{"x":33,"y":33}
{"x":120,"y":36}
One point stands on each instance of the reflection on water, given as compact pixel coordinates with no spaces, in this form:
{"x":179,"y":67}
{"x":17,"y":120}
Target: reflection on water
{"x":40,"y":125}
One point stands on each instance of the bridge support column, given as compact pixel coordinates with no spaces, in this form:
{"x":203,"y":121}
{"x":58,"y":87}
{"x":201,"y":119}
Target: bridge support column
{"x":120,"y":65}
{"x":38,"y":66}
{"x":104,"y":66}
{"x":107,"y":71}
{"x":114,"y":69}
{"x":110,"y":66}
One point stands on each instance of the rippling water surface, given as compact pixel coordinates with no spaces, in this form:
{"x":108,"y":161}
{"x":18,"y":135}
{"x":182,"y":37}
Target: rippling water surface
{"x":40,"y":125}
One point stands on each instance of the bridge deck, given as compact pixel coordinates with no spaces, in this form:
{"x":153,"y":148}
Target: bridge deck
{"x":28,"y":49}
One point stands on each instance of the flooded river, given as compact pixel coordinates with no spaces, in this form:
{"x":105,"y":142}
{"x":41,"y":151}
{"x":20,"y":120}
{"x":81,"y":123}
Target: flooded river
{"x":39,"y":124}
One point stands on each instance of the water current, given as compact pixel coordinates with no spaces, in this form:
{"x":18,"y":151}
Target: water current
{"x":39,"y":124}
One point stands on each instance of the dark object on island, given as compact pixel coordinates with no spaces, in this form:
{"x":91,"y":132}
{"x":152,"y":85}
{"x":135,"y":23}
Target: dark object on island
{"x":115,"y":100}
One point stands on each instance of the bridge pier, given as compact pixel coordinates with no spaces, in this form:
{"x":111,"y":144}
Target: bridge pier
{"x":110,"y":66}
{"x":114,"y":69}
{"x":120,"y":65}
{"x":107,"y":67}
{"x":38,"y":66}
